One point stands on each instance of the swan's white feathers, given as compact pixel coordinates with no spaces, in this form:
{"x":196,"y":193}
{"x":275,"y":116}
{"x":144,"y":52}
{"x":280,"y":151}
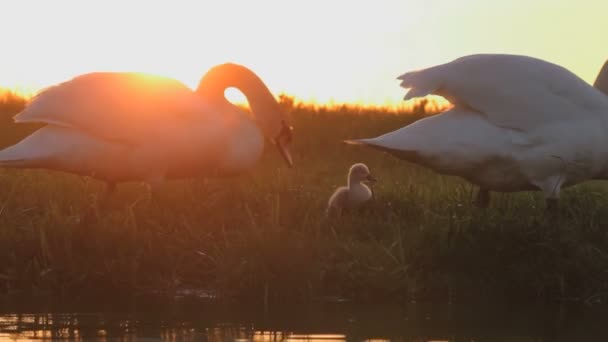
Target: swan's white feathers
{"x":132,"y":126}
{"x":127,"y":107}
{"x":601,"y":82}
{"x":421,"y":83}
{"x":518,"y":123}
{"x":516,"y":92}
{"x":379,"y":144}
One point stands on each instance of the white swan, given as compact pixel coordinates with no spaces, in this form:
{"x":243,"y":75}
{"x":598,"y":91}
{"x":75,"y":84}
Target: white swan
{"x":518,"y":123}
{"x":121,"y":127}
{"x":355,"y":194}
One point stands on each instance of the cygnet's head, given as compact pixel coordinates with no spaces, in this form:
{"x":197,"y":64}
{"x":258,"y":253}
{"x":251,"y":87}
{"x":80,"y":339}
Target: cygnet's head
{"x":360,"y":173}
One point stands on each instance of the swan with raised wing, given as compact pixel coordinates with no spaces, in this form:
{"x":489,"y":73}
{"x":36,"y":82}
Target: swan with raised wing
{"x":517,"y":123}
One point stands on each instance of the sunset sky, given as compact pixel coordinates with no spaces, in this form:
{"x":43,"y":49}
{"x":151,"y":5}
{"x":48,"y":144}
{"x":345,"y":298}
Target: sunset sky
{"x":346,"y":51}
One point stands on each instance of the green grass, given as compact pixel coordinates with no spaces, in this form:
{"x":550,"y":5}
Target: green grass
{"x":263,"y":236}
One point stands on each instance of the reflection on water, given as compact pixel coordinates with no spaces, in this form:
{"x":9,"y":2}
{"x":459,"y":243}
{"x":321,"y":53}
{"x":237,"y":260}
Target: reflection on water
{"x":154,"y":321}
{"x":79,"y":326}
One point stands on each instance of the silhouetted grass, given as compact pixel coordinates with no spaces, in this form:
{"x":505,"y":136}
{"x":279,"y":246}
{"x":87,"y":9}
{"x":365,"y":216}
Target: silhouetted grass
{"x":262,"y":236}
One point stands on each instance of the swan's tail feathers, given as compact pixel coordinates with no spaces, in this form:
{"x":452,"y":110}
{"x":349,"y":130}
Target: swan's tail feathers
{"x":363,"y":142}
{"x":355,"y":142}
{"x":13,"y":163}
{"x":601,"y":82}
{"x":366,"y":142}
{"x":19,"y":155}
{"x":369,"y":142}
{"x":409,"y":154}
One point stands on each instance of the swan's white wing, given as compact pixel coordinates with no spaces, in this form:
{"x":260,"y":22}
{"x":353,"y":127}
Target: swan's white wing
{"x":126,"y":107}
{"x":512,"y":91}
{"x":601,"y":82}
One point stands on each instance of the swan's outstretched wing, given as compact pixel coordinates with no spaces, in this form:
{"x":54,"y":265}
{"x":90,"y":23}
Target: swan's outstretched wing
{"x":601,"y":82}
{"x":512,"y":91}
{"x":126,"y":107}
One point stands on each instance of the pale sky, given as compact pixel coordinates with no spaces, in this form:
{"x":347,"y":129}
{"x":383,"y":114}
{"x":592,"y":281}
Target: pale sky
{"x":346,"y":51}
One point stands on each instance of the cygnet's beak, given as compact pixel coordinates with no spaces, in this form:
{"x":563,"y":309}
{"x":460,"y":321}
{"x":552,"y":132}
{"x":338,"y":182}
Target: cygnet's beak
{"x":282,"y":141}
{"x":371,"y":178}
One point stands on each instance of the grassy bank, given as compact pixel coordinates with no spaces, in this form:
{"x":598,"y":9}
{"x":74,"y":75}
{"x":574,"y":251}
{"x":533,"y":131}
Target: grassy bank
{"x":263,"y":235}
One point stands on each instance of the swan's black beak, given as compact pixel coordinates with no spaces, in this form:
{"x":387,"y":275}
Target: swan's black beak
{"x":371,"y":179}
{"x":283,"y":140}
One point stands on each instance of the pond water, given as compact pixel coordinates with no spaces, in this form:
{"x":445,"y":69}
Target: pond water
{"x":192,"y":320}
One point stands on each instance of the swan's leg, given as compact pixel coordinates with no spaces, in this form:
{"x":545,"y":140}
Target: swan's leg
{"x":552,"y":202}
{"x":104,"y":201}
{"x":551,"y":205}
{"x":551,"y":187}
{"x":110,"y":188}
{"x":483,"y":198}
{"x":100,"y":204}
{"x":155,"y":187}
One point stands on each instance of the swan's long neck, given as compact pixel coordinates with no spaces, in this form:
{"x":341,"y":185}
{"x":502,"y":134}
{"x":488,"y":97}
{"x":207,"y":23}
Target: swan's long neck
{"x":601,"y":82}
{"x":352,"y":182}
{"x":262,"y":103}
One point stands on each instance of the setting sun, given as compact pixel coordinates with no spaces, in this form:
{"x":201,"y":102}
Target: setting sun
{"x":321,"y":51}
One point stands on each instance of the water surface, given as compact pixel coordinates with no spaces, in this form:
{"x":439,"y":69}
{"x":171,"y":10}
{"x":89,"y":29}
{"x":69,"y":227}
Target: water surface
{"x":192,"y":320}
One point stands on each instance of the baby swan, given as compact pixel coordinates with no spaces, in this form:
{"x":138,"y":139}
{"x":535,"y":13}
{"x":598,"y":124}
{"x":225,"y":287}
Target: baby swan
{"x":353,"y":195}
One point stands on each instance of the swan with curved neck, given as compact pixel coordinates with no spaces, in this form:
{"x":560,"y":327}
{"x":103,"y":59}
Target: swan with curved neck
{"x":266,"y":111}
{"x":121,"y":127}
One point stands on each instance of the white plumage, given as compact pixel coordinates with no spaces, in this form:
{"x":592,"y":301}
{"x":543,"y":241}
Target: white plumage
{"x":601,"y":82}
{"x":517,"y":123}
{"x":355,"y":194}
{"x":131,"y":126}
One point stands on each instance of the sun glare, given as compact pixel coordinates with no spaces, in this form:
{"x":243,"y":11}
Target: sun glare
{"x":20,"y":91}
{"x":322,"y":51}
